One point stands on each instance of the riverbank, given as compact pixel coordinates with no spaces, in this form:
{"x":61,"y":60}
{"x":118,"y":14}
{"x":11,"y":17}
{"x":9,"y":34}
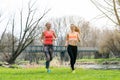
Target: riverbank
{"x":112,"y":63}
{"x":100,"y":61}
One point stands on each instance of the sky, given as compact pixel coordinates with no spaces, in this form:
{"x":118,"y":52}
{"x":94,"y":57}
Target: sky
{"x":59,"y":8}
{"x":83,"y":8}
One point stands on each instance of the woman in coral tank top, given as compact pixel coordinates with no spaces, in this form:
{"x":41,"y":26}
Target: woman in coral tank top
{"x":48,"y":36}
{"x":72,"y":38}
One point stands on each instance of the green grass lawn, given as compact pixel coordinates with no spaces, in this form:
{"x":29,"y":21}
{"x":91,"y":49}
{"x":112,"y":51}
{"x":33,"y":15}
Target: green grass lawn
{"x":58,"y":74}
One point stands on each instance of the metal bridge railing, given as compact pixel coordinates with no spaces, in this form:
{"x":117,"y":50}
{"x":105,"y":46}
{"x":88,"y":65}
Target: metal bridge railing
{"x":35,"y":49}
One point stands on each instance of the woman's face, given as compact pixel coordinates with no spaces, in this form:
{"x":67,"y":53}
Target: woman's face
{"x":48,"y":26}
{"x":72,"y":27}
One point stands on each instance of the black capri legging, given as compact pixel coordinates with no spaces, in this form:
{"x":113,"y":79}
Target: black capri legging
{"x":72,"y":51}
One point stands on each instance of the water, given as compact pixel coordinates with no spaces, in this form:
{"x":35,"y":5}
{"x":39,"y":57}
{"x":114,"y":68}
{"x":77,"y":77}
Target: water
{"x":99,"y":66}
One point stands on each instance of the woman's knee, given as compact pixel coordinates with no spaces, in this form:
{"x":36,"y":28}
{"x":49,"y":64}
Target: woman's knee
{"x":47,"y":58}
{"x":51,"y":59}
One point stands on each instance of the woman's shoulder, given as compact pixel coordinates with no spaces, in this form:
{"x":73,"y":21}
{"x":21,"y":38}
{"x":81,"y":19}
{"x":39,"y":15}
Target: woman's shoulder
{"x":49,"y":30}
{"x":72,"y":33}
{"x":76,"y":33}
{"x":52,"y":30}
{"x":68,"y":33}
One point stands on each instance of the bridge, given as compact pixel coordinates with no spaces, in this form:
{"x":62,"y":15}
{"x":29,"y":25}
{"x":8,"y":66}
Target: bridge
{"x":37,"y":49}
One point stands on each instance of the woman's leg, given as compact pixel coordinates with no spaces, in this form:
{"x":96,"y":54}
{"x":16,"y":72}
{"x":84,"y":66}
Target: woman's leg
{"x":70,"y":52}
{"x":46,"y":50}
{"x":51,"y":52}
{"x":50,"y":56}
{"x":75,"y":53}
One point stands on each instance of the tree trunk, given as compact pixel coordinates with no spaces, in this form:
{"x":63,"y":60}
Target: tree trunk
{"x":11,"y":60}
{"x":97,"y":55}
{"x":105,"y":55}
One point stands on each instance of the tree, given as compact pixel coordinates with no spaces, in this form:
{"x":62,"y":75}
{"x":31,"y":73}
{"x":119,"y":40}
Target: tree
{"x":5,"y":45}
{"x":110,"y":43}
{"x":110,"y":8}
{"x":28,"y":31}
{"x":2,"y":46}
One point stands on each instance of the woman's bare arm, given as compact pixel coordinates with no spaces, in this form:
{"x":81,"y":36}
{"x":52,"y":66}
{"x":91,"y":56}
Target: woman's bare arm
{"x":78,"y":37}
{"x":42,"y":37}
{"x":54,"y":35}
{"x":67,"y":38}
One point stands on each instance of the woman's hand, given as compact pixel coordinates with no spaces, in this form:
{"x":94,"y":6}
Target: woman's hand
{"x":66,"y":44}
{"x":42,"y":41}
{"x":54,"y":39}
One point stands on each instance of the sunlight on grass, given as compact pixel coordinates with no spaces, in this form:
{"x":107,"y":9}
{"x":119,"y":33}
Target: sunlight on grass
{"x":58,"y":74}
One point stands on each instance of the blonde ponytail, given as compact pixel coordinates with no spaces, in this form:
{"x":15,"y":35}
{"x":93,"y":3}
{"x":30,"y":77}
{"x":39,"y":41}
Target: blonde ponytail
{"x":77,"y":29}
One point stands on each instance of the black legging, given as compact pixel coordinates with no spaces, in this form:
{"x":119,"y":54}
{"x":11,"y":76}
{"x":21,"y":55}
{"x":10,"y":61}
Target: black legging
{"x":72,"y":51}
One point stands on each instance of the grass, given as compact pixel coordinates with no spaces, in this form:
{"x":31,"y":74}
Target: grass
{"x":57,"y":74}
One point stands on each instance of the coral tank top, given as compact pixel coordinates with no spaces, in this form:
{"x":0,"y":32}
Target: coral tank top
{"x":48,"y":37}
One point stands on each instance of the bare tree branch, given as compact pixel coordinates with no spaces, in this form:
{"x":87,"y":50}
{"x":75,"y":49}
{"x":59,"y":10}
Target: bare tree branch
{"x":13,"y":25}
{"x":28,"y":34}
{"x":116,"y":12}
{"x":104,"y":13}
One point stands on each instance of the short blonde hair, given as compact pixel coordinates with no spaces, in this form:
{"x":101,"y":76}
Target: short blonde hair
{"x":47,"y":23}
